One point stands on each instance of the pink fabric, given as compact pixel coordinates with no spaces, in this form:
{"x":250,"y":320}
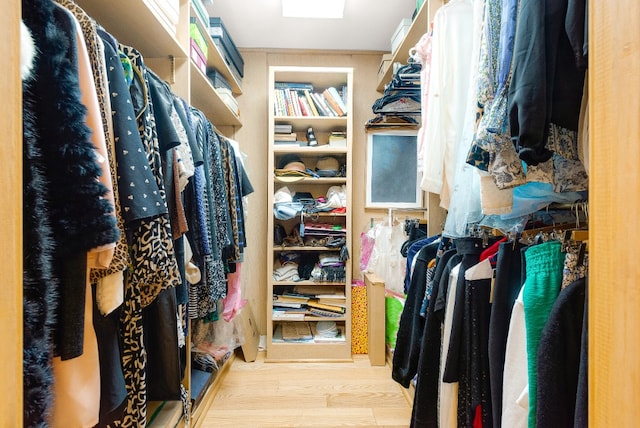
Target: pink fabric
{"x":423,"y":54}
{"x":234,"y":301}
{"x":367,"y":243}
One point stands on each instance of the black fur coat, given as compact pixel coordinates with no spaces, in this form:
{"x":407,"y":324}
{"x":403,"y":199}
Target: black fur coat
{"x":64,"y":212}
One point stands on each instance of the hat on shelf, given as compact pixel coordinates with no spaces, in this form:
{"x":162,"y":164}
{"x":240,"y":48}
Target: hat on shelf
{"x":283,"y":194}
{"x":327,"y":166}
{"x":291,"y":169}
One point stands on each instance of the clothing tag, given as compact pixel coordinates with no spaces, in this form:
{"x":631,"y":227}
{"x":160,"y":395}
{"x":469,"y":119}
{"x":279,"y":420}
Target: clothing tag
{"x":493,"y":283}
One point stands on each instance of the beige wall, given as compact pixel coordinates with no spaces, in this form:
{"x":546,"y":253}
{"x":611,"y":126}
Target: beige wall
{"x":254,"y":142}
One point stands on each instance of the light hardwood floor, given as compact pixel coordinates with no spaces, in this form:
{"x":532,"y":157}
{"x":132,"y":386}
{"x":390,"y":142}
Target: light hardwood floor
{"x":260,"y":394}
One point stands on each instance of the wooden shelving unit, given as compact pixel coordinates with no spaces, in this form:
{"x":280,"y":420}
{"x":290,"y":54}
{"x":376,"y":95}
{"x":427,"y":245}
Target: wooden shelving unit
{"x":321,"y":78}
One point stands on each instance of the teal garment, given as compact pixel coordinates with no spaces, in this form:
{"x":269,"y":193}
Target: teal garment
{"x":544,"y":264}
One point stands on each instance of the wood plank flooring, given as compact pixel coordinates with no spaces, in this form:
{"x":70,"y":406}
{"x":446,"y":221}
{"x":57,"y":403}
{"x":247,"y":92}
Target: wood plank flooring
{"x":269,"y":395}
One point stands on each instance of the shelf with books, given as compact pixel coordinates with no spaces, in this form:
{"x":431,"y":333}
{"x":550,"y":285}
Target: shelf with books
{"x":311,"y":198}
{"x":302,"y":99}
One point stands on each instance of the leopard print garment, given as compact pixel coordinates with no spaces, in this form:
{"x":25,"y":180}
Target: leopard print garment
{"x":134,"y":360}
{"x":155,"y":267}
{"x":96,"y":55}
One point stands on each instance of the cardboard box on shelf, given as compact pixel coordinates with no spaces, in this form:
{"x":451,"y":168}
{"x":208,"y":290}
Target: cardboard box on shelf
{"x":223,"y":40}
{"x":385,"y":63}
{"x":198,"y":37}
{"x":201,"y":11}
{"x":198,"y":57}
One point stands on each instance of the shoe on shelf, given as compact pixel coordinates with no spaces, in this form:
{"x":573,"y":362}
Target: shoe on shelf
{"x":311,"y":138}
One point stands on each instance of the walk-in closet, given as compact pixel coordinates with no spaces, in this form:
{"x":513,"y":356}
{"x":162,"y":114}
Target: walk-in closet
{"x":216,"y":218}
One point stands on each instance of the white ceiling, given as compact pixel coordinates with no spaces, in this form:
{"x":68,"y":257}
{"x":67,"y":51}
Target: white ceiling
{"x":367,"y":25}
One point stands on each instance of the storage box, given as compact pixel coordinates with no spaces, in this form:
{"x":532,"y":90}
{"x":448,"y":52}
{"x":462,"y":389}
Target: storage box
{"x":197,"y":56}
{"x":198,"y":37}
{"x":385,"y":63}
{"x":225,"y":43}
{"x":201,"y":11}
{"x":228,"y":98}
{"x":400,"y":33}
{"x":217,"y":79}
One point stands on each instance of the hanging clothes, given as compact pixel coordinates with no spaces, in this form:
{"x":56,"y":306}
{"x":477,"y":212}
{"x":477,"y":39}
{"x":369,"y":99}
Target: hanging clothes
{"x":448,"y":88}
{"x":448,"y":391}
{"x":559,"y":359}
{"x":67,"y":212}
{"x":507,"y":286}
{"x":548,"y":74}
{"x":515,"y":390}
{"x":425,"y":405}
{"x":411,"y":326}
{"x":544,"y":264}
{"x":108,"y":276}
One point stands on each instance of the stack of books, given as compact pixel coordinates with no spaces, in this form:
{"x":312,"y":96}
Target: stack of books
{"x":300,"y":99}
{"x":283,"y":135}
{"x":320,"y":301}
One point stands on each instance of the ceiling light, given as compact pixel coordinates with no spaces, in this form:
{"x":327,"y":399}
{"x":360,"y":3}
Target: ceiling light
{"x":313,"y":8}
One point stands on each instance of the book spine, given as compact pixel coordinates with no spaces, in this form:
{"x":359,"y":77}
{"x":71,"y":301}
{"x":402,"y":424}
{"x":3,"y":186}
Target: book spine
{"x":293,"y":85}
{"x":337,"y":98}
{"x":289,"y":103}
{"x":329,"y":111}
{"x":281,"y":109}
{"x":296,"y":103}
{"x":311,"y":103}
{"x":332,"y":103}
{"x":303,"y":108}
{"x":332,"y":308}
{"x":320,"y":107}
